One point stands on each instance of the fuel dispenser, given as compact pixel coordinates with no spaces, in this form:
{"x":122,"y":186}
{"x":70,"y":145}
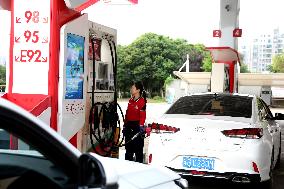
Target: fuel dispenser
{"x":87,"y":87}
{"x":104,"y":123}
{"x":64,"y":74}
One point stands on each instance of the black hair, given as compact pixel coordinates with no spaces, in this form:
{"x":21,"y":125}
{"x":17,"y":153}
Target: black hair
{"x":139,"y":85}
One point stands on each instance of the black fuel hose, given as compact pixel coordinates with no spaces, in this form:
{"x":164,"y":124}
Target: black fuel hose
{"x":107,"y":116}
{"x":106,"y":119}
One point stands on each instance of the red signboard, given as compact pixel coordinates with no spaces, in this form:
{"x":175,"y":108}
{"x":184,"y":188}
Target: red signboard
{"x":134,"y":1}
{"x":237,"y":32}
{"x":31,"y":23}
{"x":32,"y":30}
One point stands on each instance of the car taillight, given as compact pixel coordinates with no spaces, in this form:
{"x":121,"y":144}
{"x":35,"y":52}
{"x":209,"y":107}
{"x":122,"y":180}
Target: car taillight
{"x":161,"y":127}
{"x":150,"y":158}
{"x":248,"y":133}
{"x":194,"y":172}
{"x":255,"y":168}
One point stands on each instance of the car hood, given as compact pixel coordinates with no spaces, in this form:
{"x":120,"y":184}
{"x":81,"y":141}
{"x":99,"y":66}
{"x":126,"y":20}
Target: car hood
{"x":135,"y":175}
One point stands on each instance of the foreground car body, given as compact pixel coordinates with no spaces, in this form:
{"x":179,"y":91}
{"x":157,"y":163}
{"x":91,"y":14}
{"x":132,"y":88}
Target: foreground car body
{"x":224,"y":136}
{"x":46,"y":160}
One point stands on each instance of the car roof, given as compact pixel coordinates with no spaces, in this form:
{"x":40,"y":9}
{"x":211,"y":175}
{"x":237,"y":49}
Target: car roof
{"x":222,"y":94}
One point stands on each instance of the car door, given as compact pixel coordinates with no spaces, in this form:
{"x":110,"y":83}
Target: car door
{"x":22,"y":166}
{"x":274,"y":129}
{"x":262,"y":114}
{"x":32,"y":150}
{"x":264,"y":122}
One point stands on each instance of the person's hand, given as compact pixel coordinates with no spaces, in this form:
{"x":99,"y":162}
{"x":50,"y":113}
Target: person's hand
{"x":124,"y":130}
{"x":142,"y":129}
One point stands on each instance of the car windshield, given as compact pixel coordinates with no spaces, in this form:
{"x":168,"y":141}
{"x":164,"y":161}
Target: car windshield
{"x":213,"y":104}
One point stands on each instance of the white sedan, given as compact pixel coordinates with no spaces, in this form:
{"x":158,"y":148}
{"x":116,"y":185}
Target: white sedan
{"x":227,"y":136}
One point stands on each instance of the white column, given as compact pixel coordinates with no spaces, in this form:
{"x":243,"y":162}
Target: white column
{"x":229,"y":20}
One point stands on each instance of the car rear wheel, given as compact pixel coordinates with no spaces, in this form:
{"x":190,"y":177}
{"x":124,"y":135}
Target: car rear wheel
{"x":266,"y":184}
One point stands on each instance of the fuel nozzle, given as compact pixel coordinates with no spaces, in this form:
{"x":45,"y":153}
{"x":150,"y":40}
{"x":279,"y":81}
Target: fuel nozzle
{"x":148,"y":131}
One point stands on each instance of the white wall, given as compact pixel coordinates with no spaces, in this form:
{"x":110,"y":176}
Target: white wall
{"x":179,"y":88}
{"x":217,"y":77}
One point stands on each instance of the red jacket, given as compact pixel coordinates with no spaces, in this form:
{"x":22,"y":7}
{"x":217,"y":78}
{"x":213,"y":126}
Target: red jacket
{"x":136,"y":110}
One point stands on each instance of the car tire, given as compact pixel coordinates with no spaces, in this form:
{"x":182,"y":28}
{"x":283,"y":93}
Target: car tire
{"x":278,"y":164}
{"x":266,"y":184}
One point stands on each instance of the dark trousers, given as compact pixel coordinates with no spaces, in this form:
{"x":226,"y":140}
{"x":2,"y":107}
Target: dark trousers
{"x":136,"y":146}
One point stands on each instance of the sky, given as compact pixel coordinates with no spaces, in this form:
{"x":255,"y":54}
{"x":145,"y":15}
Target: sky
{"x":192,"y":20}
{"x":186,"y":19}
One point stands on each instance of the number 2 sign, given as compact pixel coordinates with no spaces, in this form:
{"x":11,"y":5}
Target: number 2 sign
{"x":217,"y":33}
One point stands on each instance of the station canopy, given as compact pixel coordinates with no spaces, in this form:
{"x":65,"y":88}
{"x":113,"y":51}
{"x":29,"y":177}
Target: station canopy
{"x":224,"y":54}
{"x":80,"y":5}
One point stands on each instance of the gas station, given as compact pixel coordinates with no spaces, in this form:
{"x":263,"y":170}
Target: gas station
{"x":63,"y":46}
{"x":62,"y":69}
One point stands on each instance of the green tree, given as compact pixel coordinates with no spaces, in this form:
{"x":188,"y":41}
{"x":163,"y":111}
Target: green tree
{"x":168,"y":81}
{"x":123,"y":71}
{"x":152,"y":58}
{"x":277,"y":65}
{"x":244,"y":68}
{"x":207,"y":62}
{"x":2,"y":75}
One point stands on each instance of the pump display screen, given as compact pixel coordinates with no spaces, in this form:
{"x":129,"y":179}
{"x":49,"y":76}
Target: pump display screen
{"x":75,"y":67}
{"x":103,"y":71}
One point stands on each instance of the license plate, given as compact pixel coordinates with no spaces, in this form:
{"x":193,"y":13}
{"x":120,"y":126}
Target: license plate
{"x":198,"y":163}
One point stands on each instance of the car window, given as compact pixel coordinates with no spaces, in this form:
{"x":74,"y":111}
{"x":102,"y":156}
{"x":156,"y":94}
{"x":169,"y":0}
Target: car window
{"x":21,"y":166}
{"x":261,"y":109}
{"x":11,"y":143}
{"x":213,"y":104}
{"x":267,"y":109}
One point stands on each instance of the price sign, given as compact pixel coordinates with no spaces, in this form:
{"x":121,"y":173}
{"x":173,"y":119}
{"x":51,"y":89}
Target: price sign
{"x":237,"y":32}
{"x":217,"y":33}
{"x":31,"y":31}
{"x":31,"y":46}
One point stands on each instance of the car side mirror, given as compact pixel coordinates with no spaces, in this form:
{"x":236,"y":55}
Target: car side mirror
{"x":91,"y":172}
{"x":279,"y":116}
